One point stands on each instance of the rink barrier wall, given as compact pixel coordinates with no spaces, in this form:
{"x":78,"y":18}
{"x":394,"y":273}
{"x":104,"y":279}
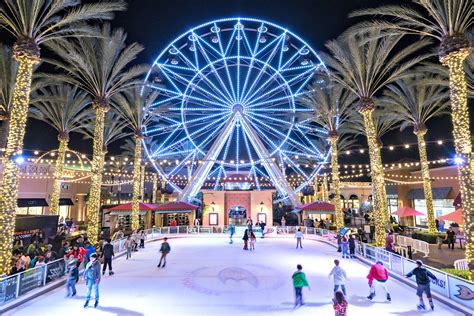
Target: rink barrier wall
{"x":19,"y":288}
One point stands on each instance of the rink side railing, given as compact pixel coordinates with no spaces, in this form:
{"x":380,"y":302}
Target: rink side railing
{"x":447,"y":285}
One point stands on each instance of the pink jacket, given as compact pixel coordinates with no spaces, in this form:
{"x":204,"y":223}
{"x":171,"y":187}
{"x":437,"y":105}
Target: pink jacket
{"x":377,"y":272}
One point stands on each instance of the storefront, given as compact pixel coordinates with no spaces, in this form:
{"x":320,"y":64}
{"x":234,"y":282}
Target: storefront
{"x":180,"y":213}
{"x":31,"y":206}
{"x":442,"y":204}
{"x":317,"y":211}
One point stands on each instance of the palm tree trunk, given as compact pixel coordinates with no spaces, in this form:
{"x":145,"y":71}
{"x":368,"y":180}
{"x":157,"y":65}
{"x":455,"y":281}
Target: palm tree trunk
{"x":335,"y":182}
{"x":58,"y":175}
{"x":142,"y":184}
{"x":378,"y":180}
{"x":425,"y":174}
{"x":11,"y":172}
{"x":155,"y":188}
{"x":462,"y":145}
{"x":96,"y":179}
{"x":4,"y":135}
{"x":137,"y":160}
{"x":324,"y":189}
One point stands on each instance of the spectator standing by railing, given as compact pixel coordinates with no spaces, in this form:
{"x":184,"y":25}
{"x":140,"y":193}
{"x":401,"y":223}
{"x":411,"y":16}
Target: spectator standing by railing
{"x":351,"y":246}
{"x":423,"y":277}
{"x":283,"y":221}
{"x":107,"y":254}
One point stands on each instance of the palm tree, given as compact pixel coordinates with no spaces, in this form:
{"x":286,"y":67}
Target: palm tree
{"x":331,"y":106}
{"x":63,"y":107}
{"x":133,"y":106}
{"x":8,"y":69}
{"x":413,"y":102}
{"x":32,"y":24}
{"x":112,"y":130}
{"x":449,"y":22}
{"x":98,"y":65}
{"x":364,"y":64}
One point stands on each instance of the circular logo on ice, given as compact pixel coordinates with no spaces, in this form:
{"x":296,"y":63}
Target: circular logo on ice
{"x":219,"y":280}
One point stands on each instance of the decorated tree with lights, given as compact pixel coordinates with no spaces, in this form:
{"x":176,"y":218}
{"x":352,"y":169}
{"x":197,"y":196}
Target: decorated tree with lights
{"x":364,"y":64}
{"x":8,"y":69}
{"x":331,"y":104}
{"x":134,"y":108}
{"x":32,"y":24}
{"x":449,"y":22}
{"x":113,"y":129}
{"x":413,"y":101}
{"x":63,"y":107}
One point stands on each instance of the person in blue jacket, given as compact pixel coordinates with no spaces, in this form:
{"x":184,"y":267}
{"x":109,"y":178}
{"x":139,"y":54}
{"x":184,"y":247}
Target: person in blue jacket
{"x":92,"y":277}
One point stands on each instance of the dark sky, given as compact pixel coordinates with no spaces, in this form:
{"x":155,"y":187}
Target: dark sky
{"x":154,"y":23}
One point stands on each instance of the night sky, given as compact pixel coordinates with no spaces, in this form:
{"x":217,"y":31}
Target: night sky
{"x":155,"y":23}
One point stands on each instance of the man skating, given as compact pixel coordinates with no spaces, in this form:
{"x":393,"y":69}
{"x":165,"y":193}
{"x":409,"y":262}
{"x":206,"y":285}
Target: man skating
{"x":107,"y":254}
{"x":72,"y":274}
{"x":231,"y":232}
{"x":299,"y":281}
{"x":164,"y":249}
{"x":339,"y":276}
{"x":92,"y":277}
{"x":378,"y":276}
{"x":422,"y":276}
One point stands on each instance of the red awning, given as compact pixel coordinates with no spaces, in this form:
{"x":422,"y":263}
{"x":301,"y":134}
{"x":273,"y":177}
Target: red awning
{"x":128,"y":207}
{"x":317,"y":206}
{"x":176,"y":206}
{"x":457,"y":216}
{"x":407,"y":211}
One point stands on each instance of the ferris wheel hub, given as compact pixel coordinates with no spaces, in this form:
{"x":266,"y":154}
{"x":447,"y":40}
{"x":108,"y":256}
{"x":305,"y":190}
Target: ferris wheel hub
{"x":238,"y":108}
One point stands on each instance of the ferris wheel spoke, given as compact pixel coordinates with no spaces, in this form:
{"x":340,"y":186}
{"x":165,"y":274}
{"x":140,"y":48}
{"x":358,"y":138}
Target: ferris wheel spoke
{"x":272,"y":118}
{"x":186,"y":82}
{"x":181,"y":163}
{"x":307,"y":139}
{"x":262,"y":71}
{"x":252,"y":60}
{"x":296,"y":167}
{"x":230,"y":96}
{"x":289,"y":83}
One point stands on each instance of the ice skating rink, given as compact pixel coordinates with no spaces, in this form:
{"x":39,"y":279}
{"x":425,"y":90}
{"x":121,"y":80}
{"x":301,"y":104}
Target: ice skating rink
{"x":208,"y":276}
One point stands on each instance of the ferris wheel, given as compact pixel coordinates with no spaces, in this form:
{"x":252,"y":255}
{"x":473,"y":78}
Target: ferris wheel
{"x":228,"y":106}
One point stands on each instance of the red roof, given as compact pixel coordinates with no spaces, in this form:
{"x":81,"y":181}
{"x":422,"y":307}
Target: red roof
{"x":176,"y":206}
{"x":316,"y":206}
{"x":457,"y":216}
{"x":407,"y":212}
{"x":128,"y":207}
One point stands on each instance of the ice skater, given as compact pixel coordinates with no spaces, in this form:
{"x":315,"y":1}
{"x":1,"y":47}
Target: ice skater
{"x":142,"y":239}
{"x":345,"y":248}
{"x":352,"y":246}
{"x":423,"y":277}
{"x":165,"y":250}
{"x":231,"y":233}
{"x":339,"y":304}
{"x":339,"y":276}
{"x":92,"y":277}
{"x":299,"y":281}
{"x":378,"y":276}
{"x":72,"y":274}
{"x":299,"y":235}
{"x":253,"y":240}
{"x":128,"y":247}
{"x":245,"y":238}
{"x":107,"y":254}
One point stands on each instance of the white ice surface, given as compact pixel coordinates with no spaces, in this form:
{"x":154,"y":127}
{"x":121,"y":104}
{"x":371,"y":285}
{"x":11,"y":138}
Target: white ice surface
{"x":208,"y":276}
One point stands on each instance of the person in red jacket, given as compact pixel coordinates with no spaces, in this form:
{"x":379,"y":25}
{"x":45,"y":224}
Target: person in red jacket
{"x":77,"y":253}
{"x":378,"y":276}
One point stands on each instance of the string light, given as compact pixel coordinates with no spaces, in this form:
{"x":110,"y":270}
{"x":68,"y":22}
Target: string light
{"x":26,"y":59}
{"x":462,"y":142}
{"x":58,"y":175}
{"x":136,"y":184}
{"x":333,"y":140}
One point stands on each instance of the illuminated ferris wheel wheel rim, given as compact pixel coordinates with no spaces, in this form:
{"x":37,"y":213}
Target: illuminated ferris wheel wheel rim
{"x":220,"y":64}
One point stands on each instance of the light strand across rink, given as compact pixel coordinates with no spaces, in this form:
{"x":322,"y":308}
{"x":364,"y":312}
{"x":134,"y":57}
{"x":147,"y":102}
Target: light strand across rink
{"x":208,"y":276}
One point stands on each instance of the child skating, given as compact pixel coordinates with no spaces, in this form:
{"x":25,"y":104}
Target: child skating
{"x":253,"y":240}
{"x":339,"y":276}
{"x":164,"y":249}
{"x":299,"y":235}
{"x":378,"y":277}
{"x":299,"y":281}
{"x":345,"y":248}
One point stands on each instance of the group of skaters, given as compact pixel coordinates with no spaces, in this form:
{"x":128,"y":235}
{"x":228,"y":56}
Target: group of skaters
{"x":134,"y":241}
{"x":377,"y":278}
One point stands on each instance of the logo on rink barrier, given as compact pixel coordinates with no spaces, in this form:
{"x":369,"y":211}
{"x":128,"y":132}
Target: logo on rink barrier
{"x":464,"y":293}
{"x":221,"y":280}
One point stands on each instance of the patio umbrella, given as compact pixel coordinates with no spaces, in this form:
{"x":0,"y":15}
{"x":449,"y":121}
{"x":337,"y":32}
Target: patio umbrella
{"x":407,"y":212}
{"x":457,"y":216}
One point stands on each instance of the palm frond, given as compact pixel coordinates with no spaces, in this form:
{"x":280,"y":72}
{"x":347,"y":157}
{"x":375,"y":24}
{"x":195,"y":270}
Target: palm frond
{"x":8,"y":70}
